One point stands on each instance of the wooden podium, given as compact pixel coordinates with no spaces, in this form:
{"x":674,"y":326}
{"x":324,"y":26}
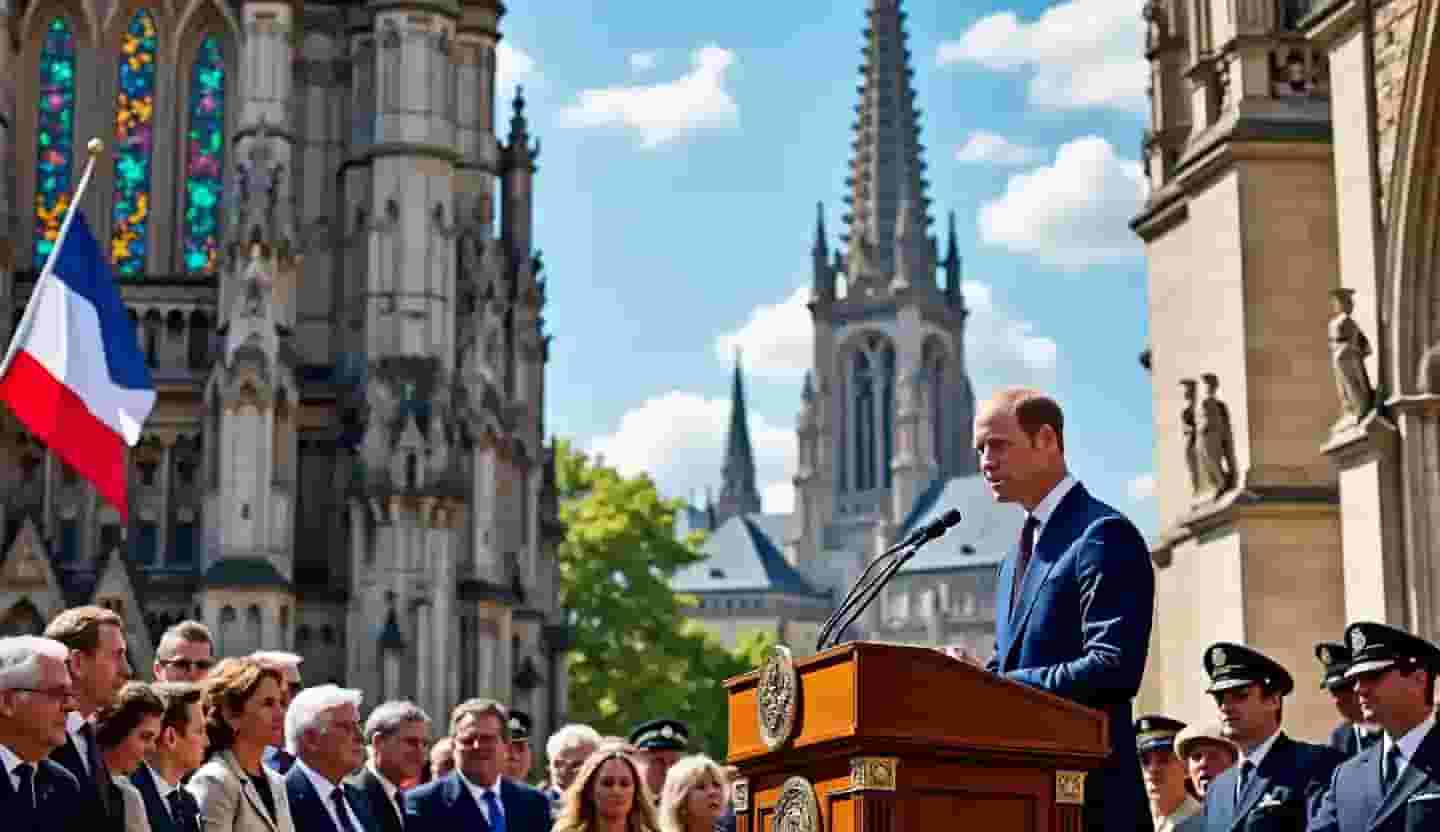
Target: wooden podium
{"x":870,"y":737}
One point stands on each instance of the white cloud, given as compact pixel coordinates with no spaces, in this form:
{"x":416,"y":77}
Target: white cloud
{"x":666,"y":111}
{"x":644,"y":61}
{"x":777,"y":339}
{"x":985,"y":146}
{"x":1079,"y":53}
{"x":1141,"y":488}
{"x":678,"y":438}
{"x":1075,"y":212}
{"x":778,"y":497}
{"x":513,"y":66}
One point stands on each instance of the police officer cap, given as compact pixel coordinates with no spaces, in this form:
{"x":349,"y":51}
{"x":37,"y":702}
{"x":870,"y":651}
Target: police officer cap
{"x":1378,"y":647}
{"x":1156,"y":732}
{"x":1335,"y":657}
{"x":661,"y":735}
{"x":520,"y":726}
{"x":1235,"y":665}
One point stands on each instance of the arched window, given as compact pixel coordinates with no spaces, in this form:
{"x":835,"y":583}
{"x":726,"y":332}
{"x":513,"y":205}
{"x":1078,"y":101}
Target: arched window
{"x":54,"y":134}
{"x":864,"y":422}
{"x":887,"y":414}
{"x":134,"y":143}
{"x":204,"y":158}
{"x":872,"y":413}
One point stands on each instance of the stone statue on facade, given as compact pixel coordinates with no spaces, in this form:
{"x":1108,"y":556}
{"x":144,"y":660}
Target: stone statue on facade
{"x":1215,"y":446}
{"x":1187,"y":433}
{"x":1348,"y":350}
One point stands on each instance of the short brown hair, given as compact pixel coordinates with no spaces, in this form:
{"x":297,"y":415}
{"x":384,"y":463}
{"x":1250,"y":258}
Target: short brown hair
{"x":132,"y":704}
{"x":79,"y":627}
{"x":478,"y":708}
{"x":228,"y":687}
{"x":188,"y":631}
{"x":177,"y":698}
{"x":1033,"y":410}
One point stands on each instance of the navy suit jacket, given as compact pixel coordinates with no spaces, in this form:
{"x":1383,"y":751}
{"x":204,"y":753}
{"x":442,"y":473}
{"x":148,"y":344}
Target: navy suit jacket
{"x":157,"y":812}
{"x":1281,"y":795}
{"x":57,"y":799}
{"x":96,"y":801}
{"x":377,"y":803}
{"x":309,"y":813}
{"x":1354,"y":800}
{"x":278,"y":759}
{"x":1081,"y":629}
{"x":445,"y":805}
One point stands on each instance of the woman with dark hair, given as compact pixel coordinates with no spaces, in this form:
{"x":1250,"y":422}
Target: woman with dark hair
{"x":608,"y":795}
{"x":244,"y":708}
{"x":125,"y":731}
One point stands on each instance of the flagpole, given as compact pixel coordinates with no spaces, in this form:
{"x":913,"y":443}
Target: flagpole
{"x":93,"y":148}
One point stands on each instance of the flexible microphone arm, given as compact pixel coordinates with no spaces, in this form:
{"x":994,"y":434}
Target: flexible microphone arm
{"x":865,"y":590}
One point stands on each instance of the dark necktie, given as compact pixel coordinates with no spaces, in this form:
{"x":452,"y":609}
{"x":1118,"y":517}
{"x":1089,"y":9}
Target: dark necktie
{"x":497,"y":816}
{"x":99,"y":773}
{"x":26,"y":773}
{"x":1247,"y":770}
{"x":341,"y":813}
{"x":1391,"y":768}
{"x":1027,"y":548}
{"x":179,"y":812}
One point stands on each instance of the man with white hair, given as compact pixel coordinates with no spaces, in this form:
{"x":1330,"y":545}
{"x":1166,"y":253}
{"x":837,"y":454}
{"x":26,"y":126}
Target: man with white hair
{"x":35,"y":694}
{"x":398,"y":734}
{"x":288,"y":666}
{"x":566,"y":751}
{"x":322,"y":733}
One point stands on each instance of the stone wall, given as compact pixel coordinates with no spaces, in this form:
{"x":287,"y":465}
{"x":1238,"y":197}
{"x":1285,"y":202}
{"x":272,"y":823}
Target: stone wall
{"x":1394,"y":31}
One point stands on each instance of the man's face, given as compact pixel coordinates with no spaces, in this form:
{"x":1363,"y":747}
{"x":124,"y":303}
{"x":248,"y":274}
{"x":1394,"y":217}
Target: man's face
{"x":1206,"y":761}
{"x":183,"y":661}
{"x":400,"y":754}
{"x":99,"y":675}
{"x":1247,"y":714}
{"x":1391,"y":697}
{"x":442,"y":759}
{"x":656,"y":764}
{"x":1164,"y":777}
{"x":185,"y":749}
{"x":566,"y":765}
{"x":1346,"y":702}
{"x":480,"y":747}
{"x":36,"y":715}
{"x":518,"y":759}
{"x":137,"y":745}
{"x":338,"y":749}
{"x":1010,"y":460}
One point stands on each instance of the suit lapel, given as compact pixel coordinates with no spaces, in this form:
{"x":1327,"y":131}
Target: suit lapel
{"x":462,"y":802}
{"x":1279,"y":758}
{"x":1416,"y":774}
{"x":1055,"y":537}
{"x":247,"y":788}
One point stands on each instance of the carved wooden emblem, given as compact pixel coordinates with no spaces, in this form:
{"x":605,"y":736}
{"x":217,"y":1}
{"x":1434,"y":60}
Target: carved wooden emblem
{"x":1070,"y":788}
{"x":873,"y":773}
{"x":797,"y":810}
{"x":777,"y":699}
{"x":740,"y":795}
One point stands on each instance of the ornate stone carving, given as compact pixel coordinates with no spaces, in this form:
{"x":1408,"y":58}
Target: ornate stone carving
{"x":1348,"y":350}
{"x":1070,"y":788}
{"x":1215,"y":444}
{"x":777,"y":698}
{"x":797,"y":809}
{"x":873,"y":773}
{"x":1187,"y":433}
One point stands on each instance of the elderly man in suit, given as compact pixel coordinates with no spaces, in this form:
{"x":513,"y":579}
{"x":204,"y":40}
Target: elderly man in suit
{"x":398,"y":734}
{"x":476,"y":796}
{"x":322,"y":732}
{"x":1394,"y":786}
{"x":1278,"y":781}
{"x":179,"y":750}
{"x":1076,"y":598}
{"x":35,"y":792}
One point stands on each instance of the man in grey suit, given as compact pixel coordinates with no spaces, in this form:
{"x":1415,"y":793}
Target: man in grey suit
{"x":398,"y":735}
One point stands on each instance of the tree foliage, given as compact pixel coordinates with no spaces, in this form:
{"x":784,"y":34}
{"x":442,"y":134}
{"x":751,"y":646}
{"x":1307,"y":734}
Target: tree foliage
{"x":634,"y":655}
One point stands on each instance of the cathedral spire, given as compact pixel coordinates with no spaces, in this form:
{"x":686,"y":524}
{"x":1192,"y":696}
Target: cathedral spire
{"x":738,"y":494}
{"x":887,"y":167}
{"x":952,"y":263}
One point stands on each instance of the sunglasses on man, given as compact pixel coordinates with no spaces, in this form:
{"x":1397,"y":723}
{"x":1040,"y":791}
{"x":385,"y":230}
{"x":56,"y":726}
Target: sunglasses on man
{"x":186,"y":665}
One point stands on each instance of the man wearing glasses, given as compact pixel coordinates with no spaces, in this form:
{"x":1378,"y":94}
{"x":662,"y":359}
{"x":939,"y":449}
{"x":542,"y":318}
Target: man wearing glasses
{"x":186,"y":653}
{"x":35,"y":695}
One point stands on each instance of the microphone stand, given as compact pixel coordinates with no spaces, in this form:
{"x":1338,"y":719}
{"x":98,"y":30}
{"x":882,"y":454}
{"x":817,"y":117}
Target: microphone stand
{"x":860,"y":585}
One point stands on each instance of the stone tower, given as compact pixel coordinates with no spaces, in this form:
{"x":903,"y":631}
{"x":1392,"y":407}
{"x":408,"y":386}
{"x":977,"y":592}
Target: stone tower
{"x":887,"y":409}
{"x":738,"y":494}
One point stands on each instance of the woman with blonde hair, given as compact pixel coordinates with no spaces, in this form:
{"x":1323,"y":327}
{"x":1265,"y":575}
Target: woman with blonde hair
{"x":244,"y":705}
{"x":693,"y":799}
{"x":608,"y":795}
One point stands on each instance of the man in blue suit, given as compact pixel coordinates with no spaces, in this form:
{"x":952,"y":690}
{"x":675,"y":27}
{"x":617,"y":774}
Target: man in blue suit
{"x":179,"y":750}
{"x":1076,"y":598}
{"x":475,"y":797}
{"x":35,"y":690}
{"x":322,"y":730}
{"x":1393,"y":786}
{"x":1277,"y":781}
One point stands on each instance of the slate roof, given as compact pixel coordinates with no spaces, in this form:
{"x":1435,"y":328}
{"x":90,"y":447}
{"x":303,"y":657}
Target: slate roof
{"x":244,"y":572}
{"x":744,"y":555}
{"x":985,"y":535}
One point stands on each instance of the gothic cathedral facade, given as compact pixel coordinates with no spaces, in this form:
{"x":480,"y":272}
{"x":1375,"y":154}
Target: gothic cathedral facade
{"x":326,"y":246}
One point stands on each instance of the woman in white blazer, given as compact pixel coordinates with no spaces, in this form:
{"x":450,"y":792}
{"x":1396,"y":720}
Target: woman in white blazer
{"x":244,"y":712}
{"x":125,"y":731}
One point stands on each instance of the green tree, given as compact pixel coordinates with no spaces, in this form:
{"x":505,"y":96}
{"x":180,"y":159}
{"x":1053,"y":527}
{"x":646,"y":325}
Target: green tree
{"x":635,"y":656}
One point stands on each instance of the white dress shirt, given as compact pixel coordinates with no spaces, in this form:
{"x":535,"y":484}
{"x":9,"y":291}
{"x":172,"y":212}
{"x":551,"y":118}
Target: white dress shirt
{"x":326,"y":790}
{"x":1410,"y":743}
{"x":478,"y":794}
{"x":1256,"y":755}
{"x":1046,"y":509}
{"x":164,"y":788}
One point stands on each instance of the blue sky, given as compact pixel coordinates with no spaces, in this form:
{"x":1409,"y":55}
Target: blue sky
{"x":685,"y":147}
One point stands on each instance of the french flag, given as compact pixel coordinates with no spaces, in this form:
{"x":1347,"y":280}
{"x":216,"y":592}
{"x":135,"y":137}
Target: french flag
{"x":74,"y":374}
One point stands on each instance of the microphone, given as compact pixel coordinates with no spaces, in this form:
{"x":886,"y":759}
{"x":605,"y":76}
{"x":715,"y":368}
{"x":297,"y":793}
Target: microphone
{"x":863,"y":593}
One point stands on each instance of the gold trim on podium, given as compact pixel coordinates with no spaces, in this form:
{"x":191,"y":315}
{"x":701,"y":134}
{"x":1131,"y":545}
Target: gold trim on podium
{"x":1070,"y":788}
{"x":876,"y":774}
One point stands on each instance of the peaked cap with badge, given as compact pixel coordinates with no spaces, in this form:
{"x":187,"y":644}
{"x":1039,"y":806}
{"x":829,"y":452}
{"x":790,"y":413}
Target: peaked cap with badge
{"x":1335,"y":658}
{"x":1379,"y":647}
{"x":520,"y":726}
{"x":661,"y":735}
{"x":1235,"y":665}
{"x":1154,"y":732}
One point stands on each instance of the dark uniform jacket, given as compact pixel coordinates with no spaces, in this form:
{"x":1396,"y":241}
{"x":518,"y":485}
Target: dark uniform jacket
{"x":1345,"y":739}
{"x":97,"y":806}
{"x":1355,"y":802}
{"x":1280,"y":795}
{"x":57,"y":795}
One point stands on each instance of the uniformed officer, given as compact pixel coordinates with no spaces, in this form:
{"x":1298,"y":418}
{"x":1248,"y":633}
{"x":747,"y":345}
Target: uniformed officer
{"x":1352,"y":735}
{"x":659,"y":744}
{"x":1162,"y":771}
{"x":1278,"y":780}
{"x":1393,"y":786}
{"x":1207,"y":754}
{"x":519,"y":756}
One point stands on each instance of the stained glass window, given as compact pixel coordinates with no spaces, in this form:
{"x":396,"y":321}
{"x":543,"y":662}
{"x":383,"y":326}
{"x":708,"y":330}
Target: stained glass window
{"x":204,"y":158}
{"x":134,"y":140}
{"x":54,"y":128}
